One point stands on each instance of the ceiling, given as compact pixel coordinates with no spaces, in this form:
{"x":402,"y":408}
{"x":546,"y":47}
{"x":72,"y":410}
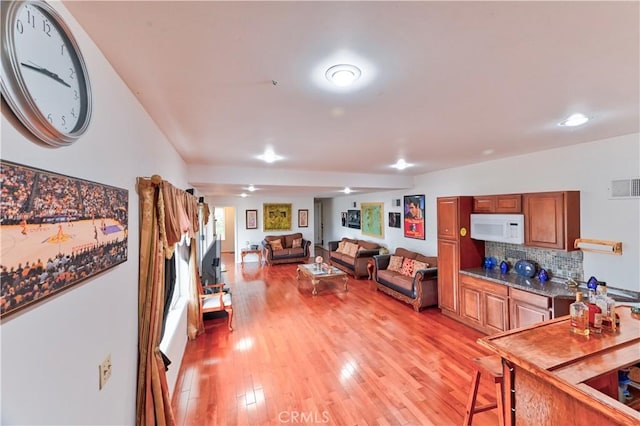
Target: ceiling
{"x":443,"y":84}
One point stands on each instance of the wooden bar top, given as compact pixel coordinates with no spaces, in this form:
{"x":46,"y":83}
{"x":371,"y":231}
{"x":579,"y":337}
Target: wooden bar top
{"x":565,"y":360}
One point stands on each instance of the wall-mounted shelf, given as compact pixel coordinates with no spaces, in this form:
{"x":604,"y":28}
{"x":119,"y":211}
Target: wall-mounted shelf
{"x":598,"y":246}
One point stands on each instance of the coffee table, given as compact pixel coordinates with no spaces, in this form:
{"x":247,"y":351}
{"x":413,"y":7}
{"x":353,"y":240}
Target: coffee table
{"x":309,"y":271}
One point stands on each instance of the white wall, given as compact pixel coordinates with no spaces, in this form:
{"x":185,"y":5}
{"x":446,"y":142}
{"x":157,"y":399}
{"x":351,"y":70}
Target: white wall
{"x":587,"y":167}
{"x":254,"y":202}
{"x":51,"y":351}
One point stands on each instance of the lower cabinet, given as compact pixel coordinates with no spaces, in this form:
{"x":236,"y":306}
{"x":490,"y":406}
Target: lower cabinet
{"x":483,"y":304}
{"x":527,"y":308}
{"x":492,"y":308}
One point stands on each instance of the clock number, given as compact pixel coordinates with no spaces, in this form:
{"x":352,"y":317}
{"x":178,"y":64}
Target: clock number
{"x":49,"y":118}
{"x":46,"y":28}
{"x":19,"y":26}
{"x":62,"y":49}
{"x":73,"y":112}
{"x":72,"y":73}
{"x":64,"y":121}
{"x":75,"y":95}
{"x":31,"y":19}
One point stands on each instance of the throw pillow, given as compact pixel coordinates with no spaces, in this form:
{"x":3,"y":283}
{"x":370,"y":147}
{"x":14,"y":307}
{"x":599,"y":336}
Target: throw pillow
{"x":353,"y":250}
{"x":276,"y":245}
{"x":417,"y":266}
{"x":297,"y":243}
{"x":395,"y":263}
{"x":407,"y":267}
{"x":341,"y":247}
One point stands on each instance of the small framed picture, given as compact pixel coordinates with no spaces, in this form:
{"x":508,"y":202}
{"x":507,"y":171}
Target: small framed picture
{"x":252,"y":219}
{"x":303,"y":218}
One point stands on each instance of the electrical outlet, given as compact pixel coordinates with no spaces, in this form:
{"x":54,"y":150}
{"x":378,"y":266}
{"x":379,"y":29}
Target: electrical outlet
{"x":105,"y":371}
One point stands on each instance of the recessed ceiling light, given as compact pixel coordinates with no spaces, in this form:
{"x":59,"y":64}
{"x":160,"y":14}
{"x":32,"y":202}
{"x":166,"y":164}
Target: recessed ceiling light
{"x":251,"y":188}
{"x":487,"y":151}
{"x":347,"y":190}
{"x":244,"y":195}
{"x":401,"y":164}
{"x":343,"y":74}
{"x":269,"y":156}
{"x":574,"y":120}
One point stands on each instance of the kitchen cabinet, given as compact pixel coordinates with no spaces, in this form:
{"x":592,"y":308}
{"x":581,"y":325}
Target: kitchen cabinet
{"x":456,"y":249}
{"x":552,"y":219}
{"x":527,"y":308}
{"x":484,"y":305}
{"x":503,"y":203}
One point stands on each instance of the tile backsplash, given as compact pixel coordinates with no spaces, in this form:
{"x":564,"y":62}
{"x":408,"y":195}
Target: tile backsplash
{"x":559,"y":264}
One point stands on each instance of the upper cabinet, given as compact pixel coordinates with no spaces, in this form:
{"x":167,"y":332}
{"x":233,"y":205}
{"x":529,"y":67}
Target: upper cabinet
{"x":504,"y":203}
{"x":448,"y":218}
{"x":552,"y":219}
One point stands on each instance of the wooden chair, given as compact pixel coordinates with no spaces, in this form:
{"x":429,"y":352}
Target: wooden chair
{"x":491,"y":365}
{"x":216,"y":301}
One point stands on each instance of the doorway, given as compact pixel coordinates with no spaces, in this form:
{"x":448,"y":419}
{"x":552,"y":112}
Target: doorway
{"x":318,"y":222}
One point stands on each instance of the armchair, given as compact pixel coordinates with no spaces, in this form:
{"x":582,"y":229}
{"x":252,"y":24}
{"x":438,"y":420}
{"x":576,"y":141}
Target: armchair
{"x":219,"y":300}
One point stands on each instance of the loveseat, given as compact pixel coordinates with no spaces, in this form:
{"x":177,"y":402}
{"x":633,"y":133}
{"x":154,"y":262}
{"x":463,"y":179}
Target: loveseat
{"x":351,"y":256}
{"x":288,"y":248}
{"x":408,"y":276}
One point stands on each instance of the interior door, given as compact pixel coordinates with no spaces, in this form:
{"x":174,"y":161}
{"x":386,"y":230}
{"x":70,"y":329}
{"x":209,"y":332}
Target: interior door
{"x":318,"y":223}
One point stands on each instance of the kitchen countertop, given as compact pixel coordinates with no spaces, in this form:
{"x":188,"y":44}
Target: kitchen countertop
{"x":554,"y":288}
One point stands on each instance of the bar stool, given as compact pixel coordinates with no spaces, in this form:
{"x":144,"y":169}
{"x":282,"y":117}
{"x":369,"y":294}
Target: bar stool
{"x":491,"y":365}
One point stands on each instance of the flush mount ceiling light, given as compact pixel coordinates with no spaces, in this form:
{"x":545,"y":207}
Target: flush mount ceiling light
{"x":347,"y":190}
{"x":251,"y":188}
{"x":244,"y":195}
{"x":401,"y":164}
{"x":343,"y":74}
{"x":269,"y":156}
{"x":574,"y":120}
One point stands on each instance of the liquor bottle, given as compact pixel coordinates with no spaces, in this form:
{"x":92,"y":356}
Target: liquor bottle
{"x":608,"y":307}
{"x":595,"y":318}
{"x":579,"y":316}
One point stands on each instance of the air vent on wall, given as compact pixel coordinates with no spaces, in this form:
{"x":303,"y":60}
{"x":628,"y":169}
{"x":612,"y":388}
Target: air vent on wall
{"x":625,"y":188}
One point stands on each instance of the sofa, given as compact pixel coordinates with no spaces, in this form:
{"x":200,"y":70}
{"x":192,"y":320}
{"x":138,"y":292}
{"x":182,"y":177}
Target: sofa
{"x":351,"y":256}
{"x":288,"y":248}
{"x":399,"y":276}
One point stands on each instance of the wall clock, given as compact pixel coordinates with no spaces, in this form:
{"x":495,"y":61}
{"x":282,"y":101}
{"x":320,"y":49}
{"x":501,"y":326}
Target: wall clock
{"x":44,"y":76}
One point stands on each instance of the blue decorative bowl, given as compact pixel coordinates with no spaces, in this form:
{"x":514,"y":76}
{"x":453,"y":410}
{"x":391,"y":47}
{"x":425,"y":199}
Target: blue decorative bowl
{"x":504,"y":267}
{"x":543,"y":275}
{"x":525,"y":268}
{"x":489,"y":262}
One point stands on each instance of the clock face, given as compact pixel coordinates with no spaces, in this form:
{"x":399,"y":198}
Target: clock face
{"x":44,"y":78}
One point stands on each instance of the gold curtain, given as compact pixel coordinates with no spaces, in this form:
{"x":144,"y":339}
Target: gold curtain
{"x":195,"y":324}
{"x":166,"y":213}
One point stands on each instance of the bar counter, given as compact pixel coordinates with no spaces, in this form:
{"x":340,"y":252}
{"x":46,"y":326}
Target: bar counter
{"x":555,"y":377}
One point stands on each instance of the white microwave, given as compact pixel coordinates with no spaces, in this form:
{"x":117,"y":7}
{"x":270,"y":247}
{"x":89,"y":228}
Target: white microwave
{"x":503,"y":228}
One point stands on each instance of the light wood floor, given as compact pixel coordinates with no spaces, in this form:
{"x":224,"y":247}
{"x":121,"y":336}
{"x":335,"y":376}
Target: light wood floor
{"x":338,"y":358}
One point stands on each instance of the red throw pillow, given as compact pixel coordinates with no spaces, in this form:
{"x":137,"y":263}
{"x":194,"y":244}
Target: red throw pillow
{"x":297,"y":243}
{"x":407,"y":267}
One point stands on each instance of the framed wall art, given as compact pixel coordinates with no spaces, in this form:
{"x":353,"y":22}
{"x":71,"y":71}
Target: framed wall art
{"x":276,"y":217}
{"x":353,"y":219}
{"x":414,"y":216}
{"x":372,"y":219}
{"x":56,"y":232}
{"x":251,"y":219}
{"x":394,"y":220}
{"x":303,"y":218}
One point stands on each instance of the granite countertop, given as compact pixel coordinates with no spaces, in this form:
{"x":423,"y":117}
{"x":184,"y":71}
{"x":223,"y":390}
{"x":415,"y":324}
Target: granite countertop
{"x":556,"y":288}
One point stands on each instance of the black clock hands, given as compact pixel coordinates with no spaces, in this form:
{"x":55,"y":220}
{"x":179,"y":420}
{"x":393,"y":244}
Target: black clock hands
{"x":46,"y":72}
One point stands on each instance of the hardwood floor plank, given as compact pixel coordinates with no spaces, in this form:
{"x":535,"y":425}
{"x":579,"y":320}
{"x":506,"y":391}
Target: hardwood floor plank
{"x":339,"y":358}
